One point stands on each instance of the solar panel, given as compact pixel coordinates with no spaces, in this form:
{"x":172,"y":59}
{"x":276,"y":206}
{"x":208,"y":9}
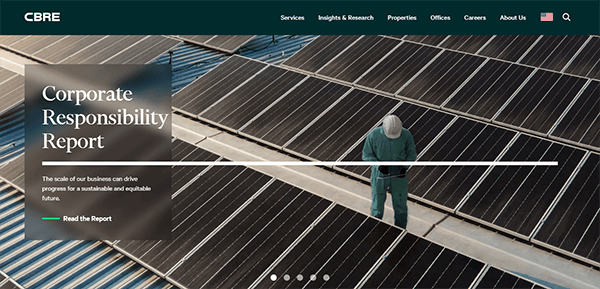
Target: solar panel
{"x":515,"y":198}
{"x":509,"y":47}
{"x":226,"y":43}
{"x":342,"y":126}
{"x":143,"y":51}
{"x":398,"y":68}
{"x":229,"y":43}
{"x":496,"y":278}
{"x":489,"y":89}
{"x":466,"y":43}
{"x":426,"y":39}
{"x":541,"y":101}
{"x":182,"y":175}
{"x":554,"y":51}
{"x":573,"y":223}
{"x":418,"y":263}
{"x":464,"y":140}
{"x":440,"y":79}
{"x":274,"y":220}
{"x":9,"y":285}
{"x":58,"y":53}
{"x":423,"y":123}
{"x":211,"y":87}
{"x":581,"y":124}
{"x":320,"y":51}
{"x":343,"y":246}
{"x":399,"y":37}
{"x":352,"y":63}
{"x":106,"y":49}
{"x":242,"y":105}
{"x":587,"y":62}
{"x":278,"y":124}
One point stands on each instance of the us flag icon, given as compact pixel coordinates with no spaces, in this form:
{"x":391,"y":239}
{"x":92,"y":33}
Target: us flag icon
{"x":546,"y":16}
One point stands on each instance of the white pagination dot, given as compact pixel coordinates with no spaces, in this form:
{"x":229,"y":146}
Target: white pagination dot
{"x":313,"y":277}
{"x":286,"y":277}
{"x":326,"y":277}
{"x":273,"y":277}
{"x":300,"y":277}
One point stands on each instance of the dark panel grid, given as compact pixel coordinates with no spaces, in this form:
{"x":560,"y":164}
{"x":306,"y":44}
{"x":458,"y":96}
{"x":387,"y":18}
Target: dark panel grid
{"x":155,"y":51}
{"x":9,"y":285}
{"x":60,"y":53}
{"x":399,"y":37}
{"x":497,"y":279}
{"x":342,"y":126}
{"x":320,"y":51}
{"x":427,"y":39}
{"x":581,"y":124}
{"x":344,"y":245}
{"x":440,"y":79}
{"x":541,"y":101}
{"x":229,"y":43}
{"x":587,"y":62}
{"x":247,"y":101}
{"x":398,"y":67}
{"x":553,"y":51}
{"x":133,"y":50}
{"x":465,"y":140}
{"x":181,"y":175}
{"x":423,"y":123}
{"x":197,"y":38}
{"x":273,"y":220}
{"x":197,"y":211}
{"x":466,"y":43}
{"x":110,"y":51}
{"x":509,"y":47}
{"x":295,"y":111}
{"x":221,"y":81}
{"x":418,"y":262}
{"x":515,"y":198}
{"x":351,"y":64}
{"x":575,"y":215}
{"x":493,"y":85}
{"x":91,"y":50}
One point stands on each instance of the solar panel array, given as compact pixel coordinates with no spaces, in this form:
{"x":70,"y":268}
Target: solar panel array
{"x":95,"y":49}
{"x":234,"y":227}
{"x":327,"y":121}
{"x":525,"y":82}
{"x":225,"y":43}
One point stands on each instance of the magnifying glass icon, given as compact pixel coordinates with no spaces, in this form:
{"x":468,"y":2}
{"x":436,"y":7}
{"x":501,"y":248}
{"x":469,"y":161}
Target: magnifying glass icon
{"x":566,"y":17}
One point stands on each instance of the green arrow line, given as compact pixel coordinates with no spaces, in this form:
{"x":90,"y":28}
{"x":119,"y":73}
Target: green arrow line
{"x":50,"y":218}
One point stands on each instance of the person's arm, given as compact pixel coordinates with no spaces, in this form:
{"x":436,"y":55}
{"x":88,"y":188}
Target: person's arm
{"x":368,"y":155}
{"x":411,"y":150}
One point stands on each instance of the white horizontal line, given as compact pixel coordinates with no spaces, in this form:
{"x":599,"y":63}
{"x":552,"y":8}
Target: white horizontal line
{"x":184,"y":163}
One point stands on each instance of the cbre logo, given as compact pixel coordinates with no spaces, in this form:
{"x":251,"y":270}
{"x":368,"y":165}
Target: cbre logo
{"x":42,"y":16}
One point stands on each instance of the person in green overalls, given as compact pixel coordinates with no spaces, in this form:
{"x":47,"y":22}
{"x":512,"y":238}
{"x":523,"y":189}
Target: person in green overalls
{"x":390,"y":142}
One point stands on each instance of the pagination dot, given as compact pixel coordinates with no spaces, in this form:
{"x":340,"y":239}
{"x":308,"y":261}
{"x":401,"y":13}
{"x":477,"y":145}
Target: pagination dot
{"x":273,"y":277}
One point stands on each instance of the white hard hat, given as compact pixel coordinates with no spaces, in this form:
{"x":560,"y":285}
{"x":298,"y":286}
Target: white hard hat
{"x":392,"y":126}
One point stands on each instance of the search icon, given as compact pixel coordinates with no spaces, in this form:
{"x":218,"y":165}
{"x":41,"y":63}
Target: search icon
{"x":566,"y":17}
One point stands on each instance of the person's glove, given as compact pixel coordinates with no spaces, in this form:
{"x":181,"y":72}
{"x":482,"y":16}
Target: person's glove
{"x":384,"y":170}
{"x":402,"y":173}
